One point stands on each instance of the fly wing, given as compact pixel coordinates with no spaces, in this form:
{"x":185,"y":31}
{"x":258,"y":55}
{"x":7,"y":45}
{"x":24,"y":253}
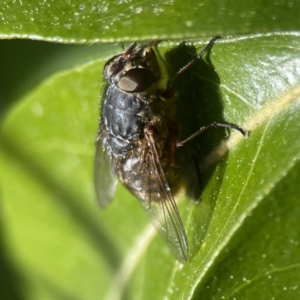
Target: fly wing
{"x":104,"y":179}
{"x":161,"y":207}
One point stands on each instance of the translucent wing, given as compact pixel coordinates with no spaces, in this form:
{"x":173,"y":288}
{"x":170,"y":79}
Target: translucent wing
{"x":104,"y":179}
{"x":161,"y":207}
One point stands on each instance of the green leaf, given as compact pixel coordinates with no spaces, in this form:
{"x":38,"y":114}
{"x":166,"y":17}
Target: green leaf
{"x":243,"y":234}
{"x":93,"y":21}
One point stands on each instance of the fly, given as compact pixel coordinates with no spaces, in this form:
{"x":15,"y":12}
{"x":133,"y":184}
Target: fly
{"x":137,"y":141}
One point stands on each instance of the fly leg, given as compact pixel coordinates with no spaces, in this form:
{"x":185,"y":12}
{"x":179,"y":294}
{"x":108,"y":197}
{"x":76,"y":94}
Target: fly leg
{"x":188,"y":65}
{"x":213,"y":124}
{"x":195,"y":175}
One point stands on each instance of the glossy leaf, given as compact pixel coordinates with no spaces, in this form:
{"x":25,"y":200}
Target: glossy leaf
{"x":94,"y":21}
{"x":243,"y":234}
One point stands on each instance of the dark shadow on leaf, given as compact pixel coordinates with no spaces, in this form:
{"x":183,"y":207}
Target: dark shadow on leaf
{"x":11,"y":281}
{"x":198,"y":103}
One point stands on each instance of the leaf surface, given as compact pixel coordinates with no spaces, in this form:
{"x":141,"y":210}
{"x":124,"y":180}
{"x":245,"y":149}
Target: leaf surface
{"x":243,"y":234}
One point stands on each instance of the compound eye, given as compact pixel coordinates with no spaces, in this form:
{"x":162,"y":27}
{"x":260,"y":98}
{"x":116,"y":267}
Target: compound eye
{"x":136,"y":81}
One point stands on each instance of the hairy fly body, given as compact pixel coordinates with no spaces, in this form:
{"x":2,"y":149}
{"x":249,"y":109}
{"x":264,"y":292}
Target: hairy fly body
{"x":137,"y":140}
